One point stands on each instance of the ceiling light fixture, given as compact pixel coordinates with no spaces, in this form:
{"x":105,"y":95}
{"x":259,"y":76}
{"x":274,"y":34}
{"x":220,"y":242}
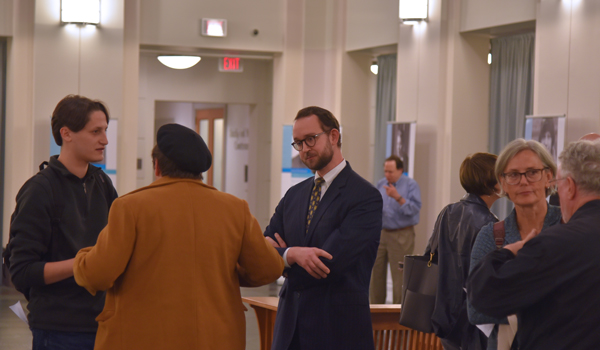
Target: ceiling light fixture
{"x":374,"y":67}
{"x":179,"y":62}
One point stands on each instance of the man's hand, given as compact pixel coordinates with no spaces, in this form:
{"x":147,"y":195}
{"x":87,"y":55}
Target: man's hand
{"x":58,"y":270}
{"x":280,"y":242}
{"x":515,"y":247}
{"x":308,"y":259}
{"x":391,"y":191}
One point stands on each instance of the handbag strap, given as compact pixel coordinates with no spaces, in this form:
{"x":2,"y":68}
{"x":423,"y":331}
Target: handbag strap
{"x":499,"y":234}
{"x":433,"y":248}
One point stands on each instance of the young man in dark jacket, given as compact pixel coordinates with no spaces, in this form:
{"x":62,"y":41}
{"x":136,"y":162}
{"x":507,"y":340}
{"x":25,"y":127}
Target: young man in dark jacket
{"x":60,"y":210}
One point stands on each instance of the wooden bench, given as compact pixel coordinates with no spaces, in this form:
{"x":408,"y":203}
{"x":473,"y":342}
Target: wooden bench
{"x":388,"y":334}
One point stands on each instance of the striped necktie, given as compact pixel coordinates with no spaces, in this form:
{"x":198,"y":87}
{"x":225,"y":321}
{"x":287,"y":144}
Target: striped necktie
{"x":315,"y":197}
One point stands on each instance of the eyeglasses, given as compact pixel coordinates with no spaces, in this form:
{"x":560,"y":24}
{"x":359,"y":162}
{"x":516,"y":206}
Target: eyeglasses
{"x":554,"y":182}
{"x":309,"y":141}
{"x":532,"y":175}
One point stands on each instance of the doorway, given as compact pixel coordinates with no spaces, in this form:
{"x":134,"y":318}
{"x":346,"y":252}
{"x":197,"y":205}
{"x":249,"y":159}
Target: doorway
{"x":210,"y":125}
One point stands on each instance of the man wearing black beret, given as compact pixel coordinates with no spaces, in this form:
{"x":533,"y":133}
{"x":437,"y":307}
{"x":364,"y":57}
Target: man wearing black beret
{"x":173,"y":256}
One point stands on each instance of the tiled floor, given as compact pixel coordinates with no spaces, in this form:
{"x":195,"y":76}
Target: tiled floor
{"x":15,"y":335}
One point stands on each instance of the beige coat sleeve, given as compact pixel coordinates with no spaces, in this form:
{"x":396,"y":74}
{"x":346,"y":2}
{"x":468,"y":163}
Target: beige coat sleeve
{"x":259,"y":263}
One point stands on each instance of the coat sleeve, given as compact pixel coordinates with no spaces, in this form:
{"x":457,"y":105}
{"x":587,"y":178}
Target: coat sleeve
{"x":276,"y":225}
{"x":259,"y":263}
{"x":412,"y":206}
{"x":31,"y":231}
{"x":96,"y":268}
{"x":484,"y":244}
{"x":502,"y":283}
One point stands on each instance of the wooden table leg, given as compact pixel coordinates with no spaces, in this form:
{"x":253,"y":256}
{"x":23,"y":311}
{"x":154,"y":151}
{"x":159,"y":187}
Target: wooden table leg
{"x":266,"y":324}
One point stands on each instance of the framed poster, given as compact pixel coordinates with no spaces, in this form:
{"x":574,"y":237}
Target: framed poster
{"x":548,"y":130}
{"x":293,"y":171}
{"x":400,"y":141}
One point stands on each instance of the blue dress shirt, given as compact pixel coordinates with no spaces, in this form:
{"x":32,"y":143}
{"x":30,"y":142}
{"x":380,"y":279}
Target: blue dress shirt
{"x":396,"y":216}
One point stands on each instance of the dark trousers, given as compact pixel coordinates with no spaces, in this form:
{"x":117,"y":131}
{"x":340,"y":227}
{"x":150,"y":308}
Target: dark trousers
{"x":55,"y":340}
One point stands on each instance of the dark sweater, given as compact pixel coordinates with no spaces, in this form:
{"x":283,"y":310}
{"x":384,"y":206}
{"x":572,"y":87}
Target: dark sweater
{"x":61,"y":306}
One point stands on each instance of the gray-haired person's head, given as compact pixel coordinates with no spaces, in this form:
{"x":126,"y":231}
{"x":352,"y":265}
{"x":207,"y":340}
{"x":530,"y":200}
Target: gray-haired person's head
{"x":581,"y":161}
{"x":519,"y":145}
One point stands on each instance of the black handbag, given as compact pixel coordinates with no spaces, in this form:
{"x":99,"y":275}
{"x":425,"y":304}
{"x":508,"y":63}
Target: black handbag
{"x":419,"y":290}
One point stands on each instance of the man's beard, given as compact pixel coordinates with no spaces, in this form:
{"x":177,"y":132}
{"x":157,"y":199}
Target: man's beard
{"x":321,"y":160}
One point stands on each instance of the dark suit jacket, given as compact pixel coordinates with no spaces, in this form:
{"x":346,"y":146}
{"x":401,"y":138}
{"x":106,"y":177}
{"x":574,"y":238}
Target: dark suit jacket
{"x":330,"y":313}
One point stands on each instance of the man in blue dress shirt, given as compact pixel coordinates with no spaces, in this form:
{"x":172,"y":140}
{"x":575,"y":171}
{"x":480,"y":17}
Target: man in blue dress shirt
{"x":401,"y":206}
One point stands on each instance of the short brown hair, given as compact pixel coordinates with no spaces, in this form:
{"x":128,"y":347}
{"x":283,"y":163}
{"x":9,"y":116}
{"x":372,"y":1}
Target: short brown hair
{"x":74,"y":111}
{"x":169,"y":168}
{"x":518,"y":145}
{"x":326,"y":119}
{"x":395,"y":158}
{"x":477,"y":173}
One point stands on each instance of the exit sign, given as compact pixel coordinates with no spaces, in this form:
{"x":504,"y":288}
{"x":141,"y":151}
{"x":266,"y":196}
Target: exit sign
{"x":230,"y":64}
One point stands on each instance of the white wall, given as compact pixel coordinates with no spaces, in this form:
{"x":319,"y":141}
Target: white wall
{"x":187,"y":90}
{"x":165,"y":22}
{"x":237,"y":150}
{"x":85,"y":60}
{"x":315,"y":69}
{"x":6,"y":15}
{"x":443,"y":84}
{"x":18,"y":162}
{"x":371,"y":24}
{"x":567,"y":73}
{"x":478,"y":14}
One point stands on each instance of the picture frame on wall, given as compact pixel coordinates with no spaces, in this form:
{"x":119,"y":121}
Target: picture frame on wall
{"x":548,"y":130}
{"x":400,"y":141}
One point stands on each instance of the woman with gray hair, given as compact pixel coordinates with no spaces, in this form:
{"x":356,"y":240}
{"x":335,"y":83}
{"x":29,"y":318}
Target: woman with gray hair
{"x":524,"y":171}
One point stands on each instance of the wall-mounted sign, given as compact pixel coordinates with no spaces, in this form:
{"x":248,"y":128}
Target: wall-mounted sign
{"x":230,"y":64}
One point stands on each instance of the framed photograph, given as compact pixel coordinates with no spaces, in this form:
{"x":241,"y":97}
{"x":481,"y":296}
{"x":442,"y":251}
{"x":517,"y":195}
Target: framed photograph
{"x":549,"y":131}
{"x":401,"y":142}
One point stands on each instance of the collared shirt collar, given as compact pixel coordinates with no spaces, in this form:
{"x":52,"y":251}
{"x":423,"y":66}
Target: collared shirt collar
{"x":330,"y":176}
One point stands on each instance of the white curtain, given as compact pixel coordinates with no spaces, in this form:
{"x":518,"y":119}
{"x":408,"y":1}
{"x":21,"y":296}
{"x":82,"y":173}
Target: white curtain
{"x":511,"y":95}
{"x":385,"y":109}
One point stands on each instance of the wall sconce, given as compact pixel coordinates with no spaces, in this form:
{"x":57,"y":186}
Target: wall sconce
{"x":374,"y":67}
{"x":179,"y":62}
{"x":214,"y":27}
{"x":412,"y":11}
{"x":80,"y":11}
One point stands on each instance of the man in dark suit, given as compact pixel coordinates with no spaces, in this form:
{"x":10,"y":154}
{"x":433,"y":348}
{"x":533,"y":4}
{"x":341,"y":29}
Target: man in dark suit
{"x":328,"y":233}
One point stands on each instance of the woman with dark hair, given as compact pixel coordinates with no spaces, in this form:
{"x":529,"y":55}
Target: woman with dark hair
{"x":455,"y":231}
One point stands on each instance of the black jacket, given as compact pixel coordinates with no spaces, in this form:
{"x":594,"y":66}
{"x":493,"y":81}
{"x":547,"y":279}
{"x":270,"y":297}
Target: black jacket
{"x":455,"y":230}
{"x":552,"y":284}
{"x":61,"y":306}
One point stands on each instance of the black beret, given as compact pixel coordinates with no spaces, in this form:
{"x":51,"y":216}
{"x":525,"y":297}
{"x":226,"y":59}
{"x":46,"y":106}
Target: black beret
{"x":184,"y":147}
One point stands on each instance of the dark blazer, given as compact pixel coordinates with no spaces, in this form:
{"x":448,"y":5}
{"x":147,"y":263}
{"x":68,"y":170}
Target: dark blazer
{"x":330,"y":313}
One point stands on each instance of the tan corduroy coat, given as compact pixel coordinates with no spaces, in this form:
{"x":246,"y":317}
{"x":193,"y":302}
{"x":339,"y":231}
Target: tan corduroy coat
{"x":172,"y":258}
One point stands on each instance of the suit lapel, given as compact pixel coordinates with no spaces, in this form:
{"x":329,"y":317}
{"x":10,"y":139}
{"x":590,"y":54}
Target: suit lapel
{"x":333,"y":191}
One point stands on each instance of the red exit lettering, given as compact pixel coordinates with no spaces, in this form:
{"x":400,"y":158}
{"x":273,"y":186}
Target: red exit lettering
{"x":231,"y":63}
